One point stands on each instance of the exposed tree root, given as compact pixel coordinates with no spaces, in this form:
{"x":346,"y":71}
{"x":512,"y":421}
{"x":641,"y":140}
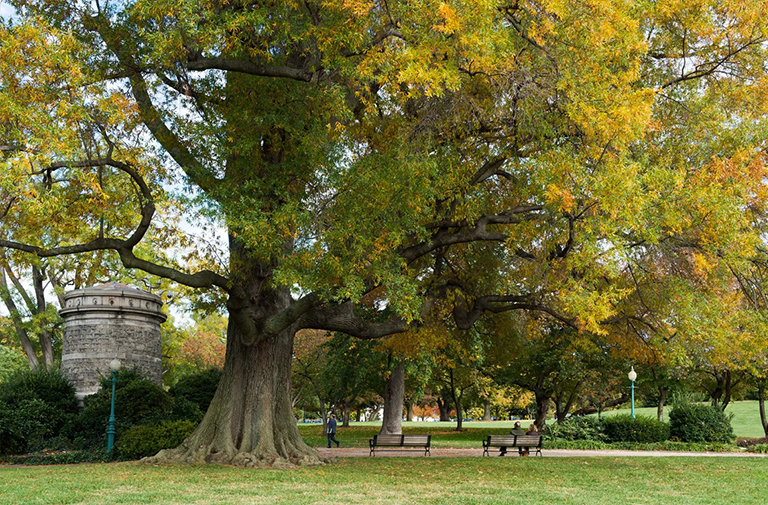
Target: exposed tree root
{"x":205,"y":454}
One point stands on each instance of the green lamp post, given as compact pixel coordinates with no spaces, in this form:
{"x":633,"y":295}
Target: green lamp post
{"x":114,"y":366}
{"x":632,"y":376}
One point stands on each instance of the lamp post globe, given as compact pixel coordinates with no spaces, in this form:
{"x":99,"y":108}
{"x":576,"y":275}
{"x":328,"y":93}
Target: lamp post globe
{"x":114,"y":367}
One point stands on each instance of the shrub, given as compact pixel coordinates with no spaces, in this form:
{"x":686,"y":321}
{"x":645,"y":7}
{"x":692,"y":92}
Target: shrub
{"x":579,"y":445}
{"x":694,"y":422}
{"x":137,"y":400}
{"x":622,"y":428}
{"x":149,"y":439}
{"x":576,"y":428}
{"x":12,"y":432}
{"x":749,"y":442}
{"x":50,"y":387}
{"x":12,"y":362}
{"x":185,"y":410}
{"x":34,"y":406}
{"x":759,"y":448}
{"x":198,"y":387}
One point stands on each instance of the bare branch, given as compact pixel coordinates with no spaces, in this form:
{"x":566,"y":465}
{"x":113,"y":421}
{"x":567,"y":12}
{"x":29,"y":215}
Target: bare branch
{"x":124,"y":247}
{"x":710,"y":67}
{"x":200,"y":63}
{"x":478,"y":232}
{"x":342,"y":318}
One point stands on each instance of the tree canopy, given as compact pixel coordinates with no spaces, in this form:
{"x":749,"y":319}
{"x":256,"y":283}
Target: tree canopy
{"x":374,"y":162}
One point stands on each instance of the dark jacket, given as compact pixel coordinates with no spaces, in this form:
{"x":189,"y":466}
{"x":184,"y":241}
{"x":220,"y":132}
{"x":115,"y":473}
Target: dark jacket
{"x":332,"y":426}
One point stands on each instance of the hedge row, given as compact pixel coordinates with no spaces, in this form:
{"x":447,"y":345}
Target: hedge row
{"x":692,"y":423}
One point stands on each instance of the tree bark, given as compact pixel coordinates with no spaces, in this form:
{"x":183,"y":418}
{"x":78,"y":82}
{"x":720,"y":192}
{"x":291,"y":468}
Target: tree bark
{"x":444,"y":407}
{"x":487,"y":409}
{"x":347,"y":412}
{"x":409,"y":411}
{"x":761,"y":405}
{"x":250,"y":421}
{"x":660,"y":407}
{"x":46,"y":342}
{"x":18,"y":324}
{"x":542,"y":408}
{"x":456,"y":396}
{"x":392,"y":424}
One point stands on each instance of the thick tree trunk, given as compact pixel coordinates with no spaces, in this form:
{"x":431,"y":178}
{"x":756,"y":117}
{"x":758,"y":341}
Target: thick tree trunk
{"x":359,"y":417}
{"x":487,"y":409}
{"x":542,"y":408}
{"x":250,"y":421}
{"x":409,"y":412}
{"x":445,"y":409}
{"x":392,"y":424}
{"x":347,"y":412}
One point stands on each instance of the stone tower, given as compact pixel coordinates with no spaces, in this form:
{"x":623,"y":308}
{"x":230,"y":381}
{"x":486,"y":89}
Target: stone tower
{"x":105,"y":322}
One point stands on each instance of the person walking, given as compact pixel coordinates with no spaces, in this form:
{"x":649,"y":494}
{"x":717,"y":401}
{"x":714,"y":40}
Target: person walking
{"x":332,"y":431}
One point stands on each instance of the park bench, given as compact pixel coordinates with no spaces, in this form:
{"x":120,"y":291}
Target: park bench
{"x":527,"y":442}
{"x":400,"y":443}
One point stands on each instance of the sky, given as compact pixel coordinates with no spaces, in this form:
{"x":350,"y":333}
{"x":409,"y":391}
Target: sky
{"x":6,"y":10}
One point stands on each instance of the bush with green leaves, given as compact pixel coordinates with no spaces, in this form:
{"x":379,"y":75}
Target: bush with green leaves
{"x":696,"y":422}
{"x":34,"y":407}
{"x":576,"y":428}
{"x":138,"y":401}
{"x":643,"y":429}
{"x":12,"y":361}
{"x":13,"y":430}
{"x":149,"y":439}
{"x":759,"y":449}
{"x":198,"y":387}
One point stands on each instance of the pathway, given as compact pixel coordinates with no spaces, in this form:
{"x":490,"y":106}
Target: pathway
{"x":468,"y":452}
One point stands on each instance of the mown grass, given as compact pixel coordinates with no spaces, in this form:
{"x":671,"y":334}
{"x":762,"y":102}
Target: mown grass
{"x":384,"y":480}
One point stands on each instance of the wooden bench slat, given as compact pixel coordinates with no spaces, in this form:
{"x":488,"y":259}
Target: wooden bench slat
{"x":500,"y":440}
{"x":387,"y":439}
{"x":512,"y":441}
{"x":400,"y":442}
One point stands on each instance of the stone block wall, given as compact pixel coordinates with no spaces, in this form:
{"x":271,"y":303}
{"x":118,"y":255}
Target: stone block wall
{"x":107,"y":322}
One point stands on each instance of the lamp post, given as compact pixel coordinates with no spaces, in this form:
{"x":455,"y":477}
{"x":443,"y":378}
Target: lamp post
{"x":632,"y":376}
{"x":114,"y":366}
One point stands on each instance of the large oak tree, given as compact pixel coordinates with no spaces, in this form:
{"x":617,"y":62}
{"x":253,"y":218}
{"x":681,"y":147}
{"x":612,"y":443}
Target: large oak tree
{"x":374,"y":161}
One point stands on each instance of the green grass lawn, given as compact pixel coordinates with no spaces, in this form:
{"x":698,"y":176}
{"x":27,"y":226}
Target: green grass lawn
{"x":373,"y":481}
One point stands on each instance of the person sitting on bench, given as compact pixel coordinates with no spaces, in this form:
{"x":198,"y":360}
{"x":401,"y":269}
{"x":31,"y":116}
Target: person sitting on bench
{"x":517,"y":430}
